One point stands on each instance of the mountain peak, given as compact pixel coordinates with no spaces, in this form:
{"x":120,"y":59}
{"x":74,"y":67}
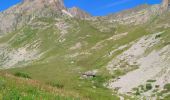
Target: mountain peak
{"x":165,"y":4}
{"x":77,"y":12}
{"x":56,"y":4}
{"x":59,"y":4}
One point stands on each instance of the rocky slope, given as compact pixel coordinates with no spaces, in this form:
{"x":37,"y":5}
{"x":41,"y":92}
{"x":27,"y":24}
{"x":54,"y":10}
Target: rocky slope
{"x":21,"y":14}
{"x":78,"y":13}
{"x":126,"y":52}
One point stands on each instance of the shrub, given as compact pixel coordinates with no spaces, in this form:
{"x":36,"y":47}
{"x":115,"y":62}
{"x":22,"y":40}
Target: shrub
{"x":23,"y":75}
{"x":151,"y":81}
{"x":56,"y":85}
{"x":167,"y":86}
{"x":2,"y":83}
{"x":137,"y":92}
{"x":13,"y":94}
{"x":157,"y":36}
{"x":141,"y":87}
{"x":118,"y":72}
{"x":148,"y":86}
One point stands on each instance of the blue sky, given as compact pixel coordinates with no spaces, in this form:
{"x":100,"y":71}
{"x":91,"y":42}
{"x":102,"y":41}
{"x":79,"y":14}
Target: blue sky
{"x":94,"y":7}
{"x":4,"y":4}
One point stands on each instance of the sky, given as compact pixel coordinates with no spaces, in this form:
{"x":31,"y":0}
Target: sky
{"x":4,"y":4}
{"x":94,"y":7}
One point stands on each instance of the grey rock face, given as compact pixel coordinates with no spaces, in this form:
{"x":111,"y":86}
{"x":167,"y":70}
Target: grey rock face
{"x":76,"y":12}
{"x":138,"y":15}
{"x":21,"y":14}
{"x":89,"y":74}
{"x":165,"y":4}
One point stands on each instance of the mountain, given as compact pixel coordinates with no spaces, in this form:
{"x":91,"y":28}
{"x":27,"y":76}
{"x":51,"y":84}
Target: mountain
{"x":165,"y":4}
{"x":22,"y":13}
{"x":78,"y":13}
{"x":119,"y":56}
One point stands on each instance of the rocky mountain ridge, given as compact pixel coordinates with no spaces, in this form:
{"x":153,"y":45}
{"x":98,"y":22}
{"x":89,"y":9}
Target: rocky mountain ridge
{"x":27,"y":10}
{"x":121,"y":56}
{"x":139,"y":15}
{"x":76,"y":12}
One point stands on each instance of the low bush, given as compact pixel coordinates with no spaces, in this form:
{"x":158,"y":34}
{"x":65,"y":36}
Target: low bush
{"x":2,"y":83}
{"x":148,"y":86}
{"x":23,"y":75}
{"x":137,"y":92}
{"x":157,"y":36}
{"x":151,"y":81}
{"x":55,"y":85}
{"x":167,"y":86}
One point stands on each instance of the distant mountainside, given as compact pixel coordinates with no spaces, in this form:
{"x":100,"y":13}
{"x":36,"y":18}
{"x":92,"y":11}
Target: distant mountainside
{"x":22,"y":13}
{"x":120,"y":56}
{"x":76,"y":12}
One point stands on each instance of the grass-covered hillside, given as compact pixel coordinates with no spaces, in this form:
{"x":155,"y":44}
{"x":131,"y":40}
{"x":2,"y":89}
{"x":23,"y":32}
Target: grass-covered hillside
{"x":61,"y":58}
{"x":21,"y":87}
{"x":124,"y":61}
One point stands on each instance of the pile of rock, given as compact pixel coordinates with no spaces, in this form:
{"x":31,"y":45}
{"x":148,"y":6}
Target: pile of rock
{"x":89,"y":74}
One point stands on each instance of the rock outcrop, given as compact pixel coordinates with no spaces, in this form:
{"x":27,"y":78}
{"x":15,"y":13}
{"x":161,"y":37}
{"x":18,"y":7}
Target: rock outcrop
{"x":22,"y":13}
{"x":165,"y":4}
{"x":139,"y":15}
{"x":76,"y":12}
